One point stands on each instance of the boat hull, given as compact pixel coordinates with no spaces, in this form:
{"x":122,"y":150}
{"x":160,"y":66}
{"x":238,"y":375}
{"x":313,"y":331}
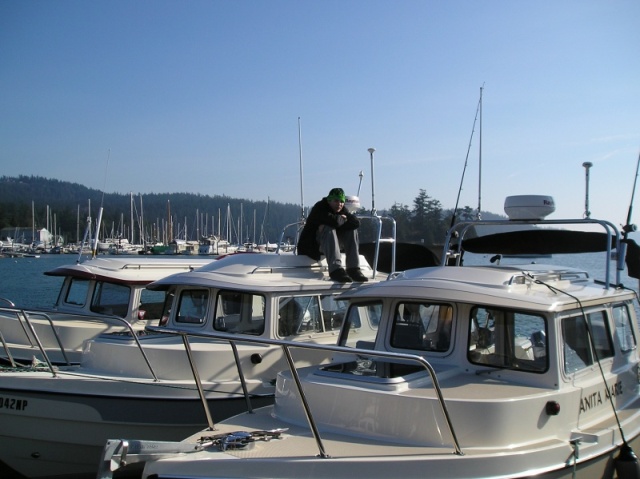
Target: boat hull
{"x":45,"y":434}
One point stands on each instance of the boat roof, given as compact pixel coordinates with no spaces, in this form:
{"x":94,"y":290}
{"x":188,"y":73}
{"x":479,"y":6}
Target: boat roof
{"x":130,"y":270}
{"x":265,"y":272}
{"x":536,"y":287}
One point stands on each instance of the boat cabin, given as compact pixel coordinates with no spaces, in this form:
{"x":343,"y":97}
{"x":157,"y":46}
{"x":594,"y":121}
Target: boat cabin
{"x":100,"y":295}
{"x":269,"y":295}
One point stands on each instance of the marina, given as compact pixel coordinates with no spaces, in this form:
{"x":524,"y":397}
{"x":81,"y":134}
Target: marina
{"x":194,"y":286}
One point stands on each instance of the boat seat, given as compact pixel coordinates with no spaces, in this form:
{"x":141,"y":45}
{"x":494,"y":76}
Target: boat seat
{"x":150,"y":310}
{"x":407,"y":336}
{"x":364,"y":344}
{"x":290,"y":318}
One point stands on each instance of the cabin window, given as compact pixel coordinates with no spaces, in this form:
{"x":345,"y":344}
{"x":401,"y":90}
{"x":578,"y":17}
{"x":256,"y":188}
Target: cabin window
{"x":579,"y":352}
{"x":166,"y":309}
{"x":151,"y":304}
{"x":624,"y":328}
{"x":299,"y":315}
{"x":361,"y":324}
{"x":333,"y":311}
{"x":111,"y":299}
{"x":422,"y":326}
{"x":240,"y":313}
{"x":508,"y":339}
{"x":192,"y":306}
{"x":77,"y":292}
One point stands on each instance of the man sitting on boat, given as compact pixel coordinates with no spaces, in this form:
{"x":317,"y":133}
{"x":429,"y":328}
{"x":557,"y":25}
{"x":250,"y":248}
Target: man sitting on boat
{"x":328,"y":228}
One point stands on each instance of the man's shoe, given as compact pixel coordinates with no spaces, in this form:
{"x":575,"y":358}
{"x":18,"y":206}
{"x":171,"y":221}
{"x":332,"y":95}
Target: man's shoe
{"x":357,"y":275}
{"x":340,"y":275}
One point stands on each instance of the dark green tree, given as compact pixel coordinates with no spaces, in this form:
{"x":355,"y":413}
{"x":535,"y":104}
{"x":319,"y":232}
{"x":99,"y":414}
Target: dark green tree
{"x":402,"y":216}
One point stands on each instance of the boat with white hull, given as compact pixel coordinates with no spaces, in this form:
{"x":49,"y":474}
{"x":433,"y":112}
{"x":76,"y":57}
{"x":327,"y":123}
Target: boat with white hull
{"x":99,"y":295}
{"x":143,"y":384}
{"x":484,"y":371}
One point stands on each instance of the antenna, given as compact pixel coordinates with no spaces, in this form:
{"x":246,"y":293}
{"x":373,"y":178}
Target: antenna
{"x":629,"y":227}
{"x":587,"y":166}
{"x":361,"y":175}
{"x":373,"y":201}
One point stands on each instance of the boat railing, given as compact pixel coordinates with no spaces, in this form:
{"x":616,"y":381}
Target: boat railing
{"x":453,"y":254}
{"x":281,"y":268}
{"x":379,"y":222}
{"x":298,"y":225}
{"x":8,"y":301}
{"x":22,"y":316}
{"x":26,"y":316}
{"x":116,"y":452}
{"x":7,"y":351}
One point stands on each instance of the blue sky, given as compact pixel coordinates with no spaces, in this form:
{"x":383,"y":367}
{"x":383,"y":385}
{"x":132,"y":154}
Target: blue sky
{"x":204,"y":97}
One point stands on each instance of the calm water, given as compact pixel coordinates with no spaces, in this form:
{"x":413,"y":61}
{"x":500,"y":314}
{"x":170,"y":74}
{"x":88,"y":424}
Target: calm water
{"x":22,"y":280}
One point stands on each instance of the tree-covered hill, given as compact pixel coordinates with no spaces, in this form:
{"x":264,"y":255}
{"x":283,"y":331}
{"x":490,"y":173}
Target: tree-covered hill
{"x":67,"y":205}
{"x":27,"y":201}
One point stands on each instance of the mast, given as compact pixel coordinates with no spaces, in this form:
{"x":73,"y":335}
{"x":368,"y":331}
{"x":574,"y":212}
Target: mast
{"x":95,"y":239}
{"x":480,"y":158}
{"x":373,"y":201}
{"x":141,"y":225}
{"x":133,"y":236}
{"x":169,"y":223}
{"x":48,"y":228}
{"x":33,"y":224}
{"x":302,"y":215}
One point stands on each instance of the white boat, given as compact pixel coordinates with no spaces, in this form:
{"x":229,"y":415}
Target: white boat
{"x":123,"y":247}
{"x":143,"y":385}
{"x":488,"y":371}
{"x":99,"y":295}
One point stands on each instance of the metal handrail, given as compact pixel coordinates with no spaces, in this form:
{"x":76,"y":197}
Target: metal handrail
{"x":23,"y":315}
{"x":7,"y":351}
{"x":380,"y":219}
{"x":286,"y":347}
{"x":9,"y":302}
{"x":297,"y":223}
{"x":460,"y":229}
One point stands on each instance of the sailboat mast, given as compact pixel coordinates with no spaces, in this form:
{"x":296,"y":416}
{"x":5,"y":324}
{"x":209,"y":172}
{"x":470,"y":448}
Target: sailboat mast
{"x":302,"y":216}
{"x":133,"y":237}
{"x":33,"y":224}
{"x":480,"y":160}
{"x":141,"y":224}
{"x":94,"y":249}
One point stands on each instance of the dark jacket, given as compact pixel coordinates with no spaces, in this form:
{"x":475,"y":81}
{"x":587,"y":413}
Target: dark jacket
{"x":322,"y":214}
